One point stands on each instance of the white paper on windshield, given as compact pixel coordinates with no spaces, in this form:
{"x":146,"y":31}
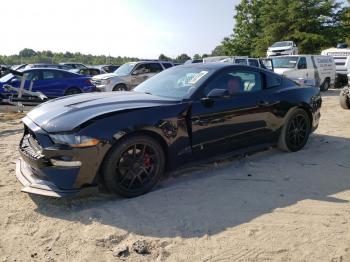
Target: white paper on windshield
{"x":197,"y":77}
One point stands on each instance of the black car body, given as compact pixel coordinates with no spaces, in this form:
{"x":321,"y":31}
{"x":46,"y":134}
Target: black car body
{"x":204,"y":122}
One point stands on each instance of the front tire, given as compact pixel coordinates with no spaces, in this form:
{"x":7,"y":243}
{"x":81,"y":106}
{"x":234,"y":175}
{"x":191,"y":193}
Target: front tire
{"x":344,"y":100}
{"x":134,"y":166}
{"x":326,"y":85}
{"x":295,"y":131}
{"x":120,"y":87}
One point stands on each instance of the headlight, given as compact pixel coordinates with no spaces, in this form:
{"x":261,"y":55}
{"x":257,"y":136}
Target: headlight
{"x":74,"y":140}
{"x":106,"y":82}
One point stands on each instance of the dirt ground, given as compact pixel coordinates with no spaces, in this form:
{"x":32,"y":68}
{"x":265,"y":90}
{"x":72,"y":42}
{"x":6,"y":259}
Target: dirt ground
{"x":271,"y":206}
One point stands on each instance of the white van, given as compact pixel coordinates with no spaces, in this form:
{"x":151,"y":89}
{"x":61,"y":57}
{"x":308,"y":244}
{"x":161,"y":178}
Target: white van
{"x":317,"y":70}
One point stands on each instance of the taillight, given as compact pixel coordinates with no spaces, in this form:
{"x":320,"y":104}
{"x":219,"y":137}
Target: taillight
{"x":88,"y":81}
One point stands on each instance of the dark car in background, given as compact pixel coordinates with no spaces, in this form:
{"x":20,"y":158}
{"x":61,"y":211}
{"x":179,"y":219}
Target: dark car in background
{"x":51,"y":82}
{"x":89,"y":71}
{"x":127,"y":140}
{"x":70,"y":65}
{"x":43,"y":65}
{"x":107,"y":68}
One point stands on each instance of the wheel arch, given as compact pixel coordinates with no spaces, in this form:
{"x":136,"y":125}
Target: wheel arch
{"x":73,"y":87}
{"x":307,"y":109}
{"x":153,"y":134}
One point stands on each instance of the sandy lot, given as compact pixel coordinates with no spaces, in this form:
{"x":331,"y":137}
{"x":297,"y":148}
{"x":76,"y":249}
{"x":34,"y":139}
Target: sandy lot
{"x":271,"y":206}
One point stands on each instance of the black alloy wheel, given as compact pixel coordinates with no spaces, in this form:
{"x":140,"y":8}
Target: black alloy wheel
{"x":295,"y":132}
{"x":134,"y":167}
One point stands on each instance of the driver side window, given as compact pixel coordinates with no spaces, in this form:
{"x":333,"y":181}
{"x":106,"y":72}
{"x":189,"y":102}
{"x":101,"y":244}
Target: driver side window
{"x":302,"y":63}
{"x":141,"y":69}
{"x":235,"y":82}
{"x":32,"y":76}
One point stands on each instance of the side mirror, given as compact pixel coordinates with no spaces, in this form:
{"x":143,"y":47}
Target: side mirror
{"x":14,"y":80}
{"x":217,"y":93}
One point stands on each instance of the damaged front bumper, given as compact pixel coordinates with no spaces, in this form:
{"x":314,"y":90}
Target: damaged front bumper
{"x":52,"y":170}
{"x":34,"y":185}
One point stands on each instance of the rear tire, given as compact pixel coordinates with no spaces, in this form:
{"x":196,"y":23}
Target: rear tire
{"x":295,"y":132}
{"x":72,"y":91}
{"x":344,"y":100}
{"x":134,"y":166}
{"x":120,"y":87}
{"x":326,"y":85}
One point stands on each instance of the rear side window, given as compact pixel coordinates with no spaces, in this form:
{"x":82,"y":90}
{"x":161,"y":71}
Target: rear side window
{"x":155,"y":67}
{"x":48,"y":75}
{"x":167,"y":65}
{"x":272,"y":81}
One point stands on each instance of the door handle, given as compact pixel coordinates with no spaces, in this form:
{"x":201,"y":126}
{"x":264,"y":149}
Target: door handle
{"x":263,"y":104}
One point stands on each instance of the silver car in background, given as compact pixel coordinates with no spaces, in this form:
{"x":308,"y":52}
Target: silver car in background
{"x":129,"y":75}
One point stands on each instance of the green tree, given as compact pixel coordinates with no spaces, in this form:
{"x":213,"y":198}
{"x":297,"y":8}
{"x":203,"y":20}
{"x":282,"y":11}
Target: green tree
{"x":312,"y":24}
{"x":163,"y":57}
{"x":197,"y":57}
{"x":182,"y":58}
{"x":27,"y":52}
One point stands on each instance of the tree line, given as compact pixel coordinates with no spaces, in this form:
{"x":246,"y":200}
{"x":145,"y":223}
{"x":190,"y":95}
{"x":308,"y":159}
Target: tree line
{"x":29,"y":56}
{"x":313,"y":24}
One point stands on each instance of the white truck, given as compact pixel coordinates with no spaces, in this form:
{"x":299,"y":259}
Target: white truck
{"x":341,"y":56}
{"x":314,"y":70}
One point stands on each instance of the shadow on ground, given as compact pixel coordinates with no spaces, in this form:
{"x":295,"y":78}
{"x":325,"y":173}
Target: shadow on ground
{"x":10,"y":132}
{"x":215,"y":197}
{"x":331,"y":92}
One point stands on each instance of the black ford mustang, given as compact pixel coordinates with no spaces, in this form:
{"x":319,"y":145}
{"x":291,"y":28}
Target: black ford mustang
{"x":127,"y":140}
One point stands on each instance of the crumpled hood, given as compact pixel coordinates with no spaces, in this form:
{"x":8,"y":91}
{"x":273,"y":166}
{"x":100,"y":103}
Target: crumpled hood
{"x":105,"y":76}
{"x":67,"y":113}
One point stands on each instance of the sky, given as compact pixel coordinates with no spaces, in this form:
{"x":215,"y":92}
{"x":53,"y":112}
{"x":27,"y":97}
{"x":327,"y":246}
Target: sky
{"x":136,"y":28}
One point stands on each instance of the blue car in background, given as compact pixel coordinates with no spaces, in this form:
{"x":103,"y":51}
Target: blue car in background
{"x":51,"y":82}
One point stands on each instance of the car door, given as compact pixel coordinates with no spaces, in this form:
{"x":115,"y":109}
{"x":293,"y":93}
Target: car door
{"x":51,"y":83}
{"x":242,"y":117}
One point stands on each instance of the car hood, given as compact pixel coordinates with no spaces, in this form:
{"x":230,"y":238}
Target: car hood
{"x":280,"y":48}
{"x":66,"y":114}
{"x":104,"y":76}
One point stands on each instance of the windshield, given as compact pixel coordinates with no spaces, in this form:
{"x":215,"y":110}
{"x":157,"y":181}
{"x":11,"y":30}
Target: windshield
{"x":282,"y":44}
{"x":176,"y":82}
{"x":125,"y":69}
{"x":6,"y":78}
{"x":284,"y":62}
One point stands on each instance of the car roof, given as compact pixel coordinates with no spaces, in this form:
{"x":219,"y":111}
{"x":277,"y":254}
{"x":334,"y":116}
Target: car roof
{"x":43,"y":68}
{"x":212,"y":66}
